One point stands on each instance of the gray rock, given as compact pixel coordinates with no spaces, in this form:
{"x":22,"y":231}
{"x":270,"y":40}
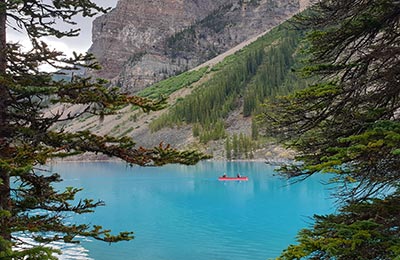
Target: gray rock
{"x":142,"y":42}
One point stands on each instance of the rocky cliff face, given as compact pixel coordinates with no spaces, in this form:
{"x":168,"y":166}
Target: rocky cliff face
{"x":141,"y":42}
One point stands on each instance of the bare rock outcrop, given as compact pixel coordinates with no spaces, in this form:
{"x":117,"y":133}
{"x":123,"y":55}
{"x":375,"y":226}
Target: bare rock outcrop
{"x":141,"y":42}
{"x":136,"y":28}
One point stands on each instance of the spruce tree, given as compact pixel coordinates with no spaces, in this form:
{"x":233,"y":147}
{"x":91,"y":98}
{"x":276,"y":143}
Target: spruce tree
{"x":348,"y":124}
{"x":28,"y":201}
{"x":235,"y":146}
{"x":228,"y":148}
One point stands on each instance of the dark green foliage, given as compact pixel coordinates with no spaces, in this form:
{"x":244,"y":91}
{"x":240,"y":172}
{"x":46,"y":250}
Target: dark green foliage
{"x":235,"y":146}
{"x":349,"y":119}
{"x":228,"y":148}
{"x":30,"y":108}
{"x":254,"y":129}
{"x":244,"y":78}
{"x":209,"y":132}
{"x":240,"y":147}
{"x":365,"y":230}
{"x":348,"y":123}
{"x":181,"y":41}
{"x":272,"y":74}
{"x":196,"y":130}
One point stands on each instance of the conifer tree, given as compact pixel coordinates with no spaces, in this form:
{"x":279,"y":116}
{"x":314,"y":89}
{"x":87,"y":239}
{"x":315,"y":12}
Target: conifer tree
{"x":228,"y":148}
{"x":348,"y":124}
{"x":254,"y":129}
{"x":235,"y":146}
{"x":28,"y":201}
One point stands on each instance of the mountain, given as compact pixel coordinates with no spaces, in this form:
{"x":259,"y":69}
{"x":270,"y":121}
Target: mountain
{"x":142,"y":42}
{"x":212,"y":108}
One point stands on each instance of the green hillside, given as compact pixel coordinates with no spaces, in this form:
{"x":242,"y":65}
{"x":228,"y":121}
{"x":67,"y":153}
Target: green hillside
{"x":216,"y":104}
{"x":262,"y":69}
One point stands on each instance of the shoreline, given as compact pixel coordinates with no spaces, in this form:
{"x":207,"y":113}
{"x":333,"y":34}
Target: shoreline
{"x":115,"y":160}
{"x":274,"y":156}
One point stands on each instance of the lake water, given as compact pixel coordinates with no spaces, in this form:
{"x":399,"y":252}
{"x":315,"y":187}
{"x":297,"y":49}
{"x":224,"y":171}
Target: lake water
{"x":184,"y":213}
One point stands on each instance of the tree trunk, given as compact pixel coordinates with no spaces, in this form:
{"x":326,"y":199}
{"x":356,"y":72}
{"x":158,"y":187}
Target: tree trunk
{"x":5,"y":200}
{"x":3,"y":38}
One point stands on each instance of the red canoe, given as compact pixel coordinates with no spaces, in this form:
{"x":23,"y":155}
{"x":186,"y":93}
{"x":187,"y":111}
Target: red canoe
{"x":243,"y":178}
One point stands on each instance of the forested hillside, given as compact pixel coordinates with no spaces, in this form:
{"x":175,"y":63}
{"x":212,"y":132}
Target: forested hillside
{"x":214,"y":108}
{"x":259,"y":71}
{"x":241,"y":82}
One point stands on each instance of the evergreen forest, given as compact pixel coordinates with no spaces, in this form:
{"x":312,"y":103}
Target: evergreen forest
{"x":324,"y":84}
{"x":264,"y":69}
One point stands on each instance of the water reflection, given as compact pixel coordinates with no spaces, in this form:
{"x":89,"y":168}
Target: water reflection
{"x":184,"y":212}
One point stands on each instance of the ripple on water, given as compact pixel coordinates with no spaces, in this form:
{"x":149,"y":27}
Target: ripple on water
{"x":185,"y":213}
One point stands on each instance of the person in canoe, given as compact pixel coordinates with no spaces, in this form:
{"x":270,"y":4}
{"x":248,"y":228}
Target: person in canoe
{"x":224,"y":176}
{"x":238,"y":175}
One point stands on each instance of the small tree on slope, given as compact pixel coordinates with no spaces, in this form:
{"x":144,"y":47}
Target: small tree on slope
{"x":31,"y":205}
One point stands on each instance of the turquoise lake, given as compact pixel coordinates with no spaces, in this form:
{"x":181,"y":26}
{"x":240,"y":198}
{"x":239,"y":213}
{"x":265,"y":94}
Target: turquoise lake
{"x":184,"y":213}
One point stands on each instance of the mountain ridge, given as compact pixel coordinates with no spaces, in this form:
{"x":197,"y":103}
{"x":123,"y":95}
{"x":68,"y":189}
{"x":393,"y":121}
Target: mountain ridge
{"x":137,"y":52}
{"x":137,"y":124}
